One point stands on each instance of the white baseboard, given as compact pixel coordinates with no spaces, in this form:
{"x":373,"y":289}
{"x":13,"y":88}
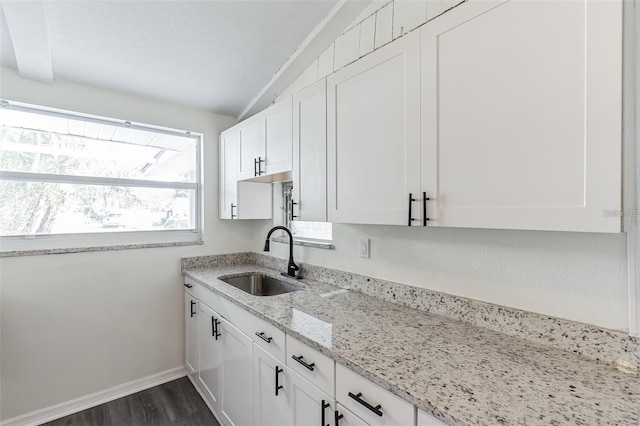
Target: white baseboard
{"x":69,"y":407}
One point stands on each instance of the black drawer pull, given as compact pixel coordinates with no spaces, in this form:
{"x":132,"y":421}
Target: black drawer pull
{"x":324,"y":405}
{"x":263,"y":337}
{"x":278,"y":386}
{"x":188,"y":285}
{"x":359,"y":399}
{"x":300,"y":359}
{"x":193,"y":313}
{"x":338,"y":417}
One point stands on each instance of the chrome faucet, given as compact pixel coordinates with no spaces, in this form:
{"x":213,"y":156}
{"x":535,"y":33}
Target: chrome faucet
{"x":292,"y":267}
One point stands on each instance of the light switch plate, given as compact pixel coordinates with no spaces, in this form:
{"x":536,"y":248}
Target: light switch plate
{"x":364,"y":248}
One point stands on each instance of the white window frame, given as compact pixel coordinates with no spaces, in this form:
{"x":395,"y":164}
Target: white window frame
{"x":55,"y":242}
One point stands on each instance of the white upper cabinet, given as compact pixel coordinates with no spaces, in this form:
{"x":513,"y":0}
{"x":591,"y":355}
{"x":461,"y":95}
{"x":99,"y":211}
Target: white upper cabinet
{"x":310,"y":153}
{"x":521,"y":115}
{"x":264,"y":146}
{"x":373,"y":135}
{"x":277,"y":143}
{"x":240,"y":200}
{"x":228,"y":173}
{"x":250,"y":147}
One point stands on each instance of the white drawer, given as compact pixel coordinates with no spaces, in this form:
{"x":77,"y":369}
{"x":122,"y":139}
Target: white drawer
{"x":354,"y":391}
{"x":191,"y":287}
{"x":264,"y":334}
{"x":269,"y":337}
{"x":320,"y":369}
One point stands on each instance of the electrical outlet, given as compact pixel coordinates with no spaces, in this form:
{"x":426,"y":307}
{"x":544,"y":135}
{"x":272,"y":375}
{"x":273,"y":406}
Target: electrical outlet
{"x":364,"y":248}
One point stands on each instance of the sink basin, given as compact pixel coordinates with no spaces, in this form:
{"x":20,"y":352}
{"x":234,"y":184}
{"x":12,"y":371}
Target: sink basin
{"x":261,"y":285}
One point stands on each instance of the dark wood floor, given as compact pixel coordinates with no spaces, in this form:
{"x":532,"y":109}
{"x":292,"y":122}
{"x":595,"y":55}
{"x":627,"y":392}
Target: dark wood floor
{"x":176,"y":403}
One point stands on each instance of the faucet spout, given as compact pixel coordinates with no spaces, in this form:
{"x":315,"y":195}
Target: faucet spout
{"x":292,"y":268}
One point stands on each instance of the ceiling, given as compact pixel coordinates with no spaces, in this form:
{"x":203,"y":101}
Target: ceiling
{"x":231,"y":57}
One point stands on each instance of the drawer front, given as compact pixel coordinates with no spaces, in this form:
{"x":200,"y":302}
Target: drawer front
{"x":269,"y":337}
{"x":208,"y":297}
{"x":191,"y":287}
{"x":362,"y":397}
{"x":266,"y":335}
{"x":319,"y":369}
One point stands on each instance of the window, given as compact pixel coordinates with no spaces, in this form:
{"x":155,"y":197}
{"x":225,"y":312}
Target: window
{"x":70,"y":179}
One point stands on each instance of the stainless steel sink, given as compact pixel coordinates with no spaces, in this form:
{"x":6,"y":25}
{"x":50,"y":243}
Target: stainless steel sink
{"x":261,"y":285}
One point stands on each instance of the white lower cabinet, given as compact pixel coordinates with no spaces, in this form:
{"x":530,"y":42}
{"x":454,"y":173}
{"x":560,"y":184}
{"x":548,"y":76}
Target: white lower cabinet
{"x":191,"y":334}
{"x":211,"y":355}
{"x":251,"y":373}
{"x":270,"y":390}
{"x":308,"y":405}
{"x":237,"y":377}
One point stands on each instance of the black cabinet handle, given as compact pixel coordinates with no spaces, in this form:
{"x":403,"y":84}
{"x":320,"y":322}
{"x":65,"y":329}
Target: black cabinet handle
{"x":359,"y":399}
{"x":260,"y":161}
{"x":255,"y":167}
{"x":217,"y":329}
{"x":293,"y":204}
{"x":338,"y":417}
{"x":214,"y":328}
{"x":278,"y":386}
{"x":188,"y":285}
{"x":263,"y":337}
{"x":300,"y":359}
{"x":425,"y":218}
{"x":411,"y":200}
{"x":193,"y":313}
{"x":324,"y":405}
{"x":233,"y":207}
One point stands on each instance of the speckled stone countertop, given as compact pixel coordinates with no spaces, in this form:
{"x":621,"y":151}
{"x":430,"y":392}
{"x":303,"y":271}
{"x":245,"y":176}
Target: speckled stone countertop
{"x":460,"y":373}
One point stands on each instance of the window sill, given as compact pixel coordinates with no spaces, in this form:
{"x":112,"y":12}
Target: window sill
{"x":305,"y":243}
{"x":16,"y":253}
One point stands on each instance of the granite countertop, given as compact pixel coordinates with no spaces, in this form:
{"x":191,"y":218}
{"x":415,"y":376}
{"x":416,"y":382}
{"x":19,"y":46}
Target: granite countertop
{"x":460,"y":373}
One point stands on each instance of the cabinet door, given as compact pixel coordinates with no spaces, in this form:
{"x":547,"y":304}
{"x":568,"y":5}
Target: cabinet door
{"x":373,"y":135}
{"x":250,"y":146}
{"x":277,"y":144}
{"x":521,"y":127}
{"x":309,"y":406}
{"x":211,"y":354}
{"x":191,"y":334}
{"x":344,"y":417}
{"x":270,"y":390}
{"x":310,"y":152}
{"x":228,"y":173}
{"x":425,"y":419}
{"x":237,"y":377}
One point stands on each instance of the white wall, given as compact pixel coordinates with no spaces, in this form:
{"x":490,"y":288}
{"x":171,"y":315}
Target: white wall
{"x":576,"y":276}
{"x":73,"y":324}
